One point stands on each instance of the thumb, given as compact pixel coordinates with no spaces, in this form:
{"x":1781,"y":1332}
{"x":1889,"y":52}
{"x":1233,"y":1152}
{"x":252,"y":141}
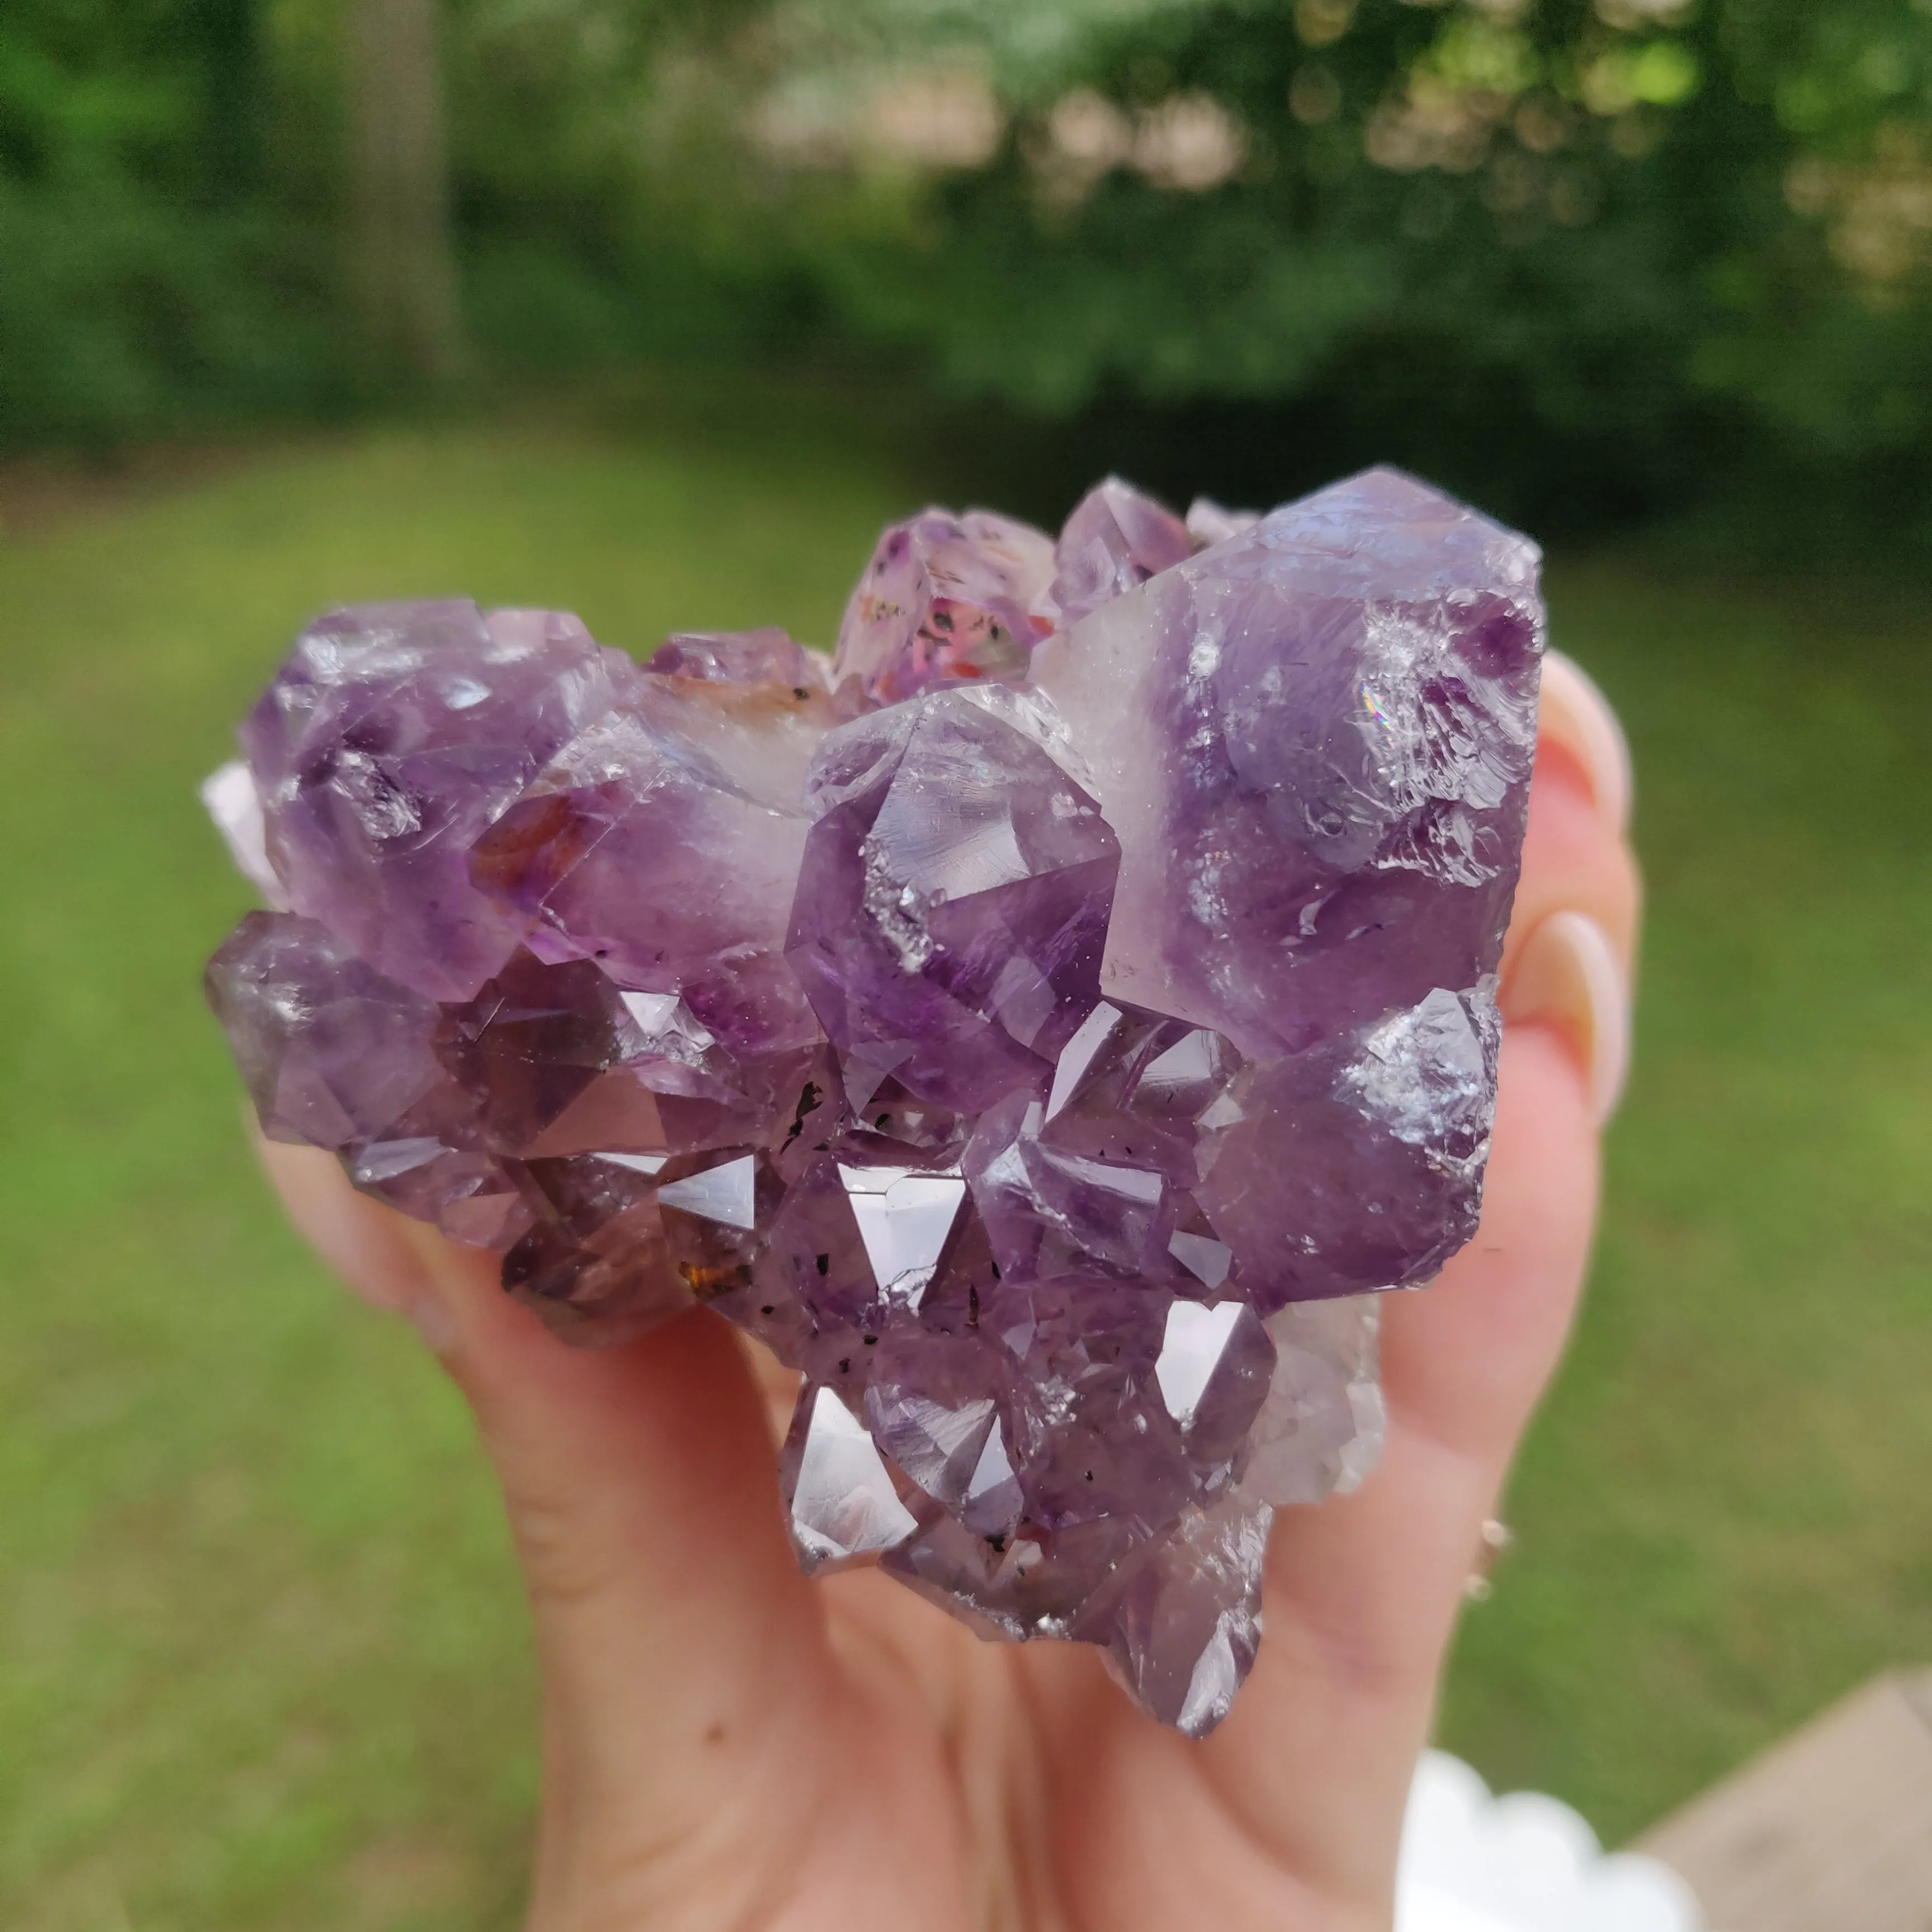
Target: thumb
{"x":686,"y":1675}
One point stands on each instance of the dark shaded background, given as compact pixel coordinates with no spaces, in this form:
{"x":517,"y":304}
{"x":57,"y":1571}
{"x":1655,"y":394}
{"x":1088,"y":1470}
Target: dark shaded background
{"x":1593,"y":264}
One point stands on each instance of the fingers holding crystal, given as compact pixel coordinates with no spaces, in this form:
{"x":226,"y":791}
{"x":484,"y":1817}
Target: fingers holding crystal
{"x":1362,"y":1593}
{"x":1565,"y":1001}
{"x":1569,"y":957}
{"x":1465,"y":1363}
{"x":1576,"y":858}
{"x":678,"y":1639}
{"x":1576,"y":721}
{"x":1566,"y":975}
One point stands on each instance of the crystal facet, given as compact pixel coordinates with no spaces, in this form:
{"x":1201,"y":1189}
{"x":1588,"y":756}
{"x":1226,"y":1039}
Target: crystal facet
{"x":392,"y":736}
{"x":1114,"y":541}
{"x":1045,"y":1029}
{"x":946,"y":600}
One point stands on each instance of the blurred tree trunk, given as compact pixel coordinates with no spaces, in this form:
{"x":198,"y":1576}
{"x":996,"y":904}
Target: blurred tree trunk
{"x":230,"y":38}
{"x":405,"y":268}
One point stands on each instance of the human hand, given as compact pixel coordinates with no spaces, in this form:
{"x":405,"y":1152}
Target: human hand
{"x":726,"y":1745}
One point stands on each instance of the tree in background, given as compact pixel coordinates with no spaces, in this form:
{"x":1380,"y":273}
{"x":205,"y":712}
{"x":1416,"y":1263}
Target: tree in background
{"x":1585,"y":259}
{"x":141,"y":280}
{"x":405,"y":266}
{"x":1604,"y":253}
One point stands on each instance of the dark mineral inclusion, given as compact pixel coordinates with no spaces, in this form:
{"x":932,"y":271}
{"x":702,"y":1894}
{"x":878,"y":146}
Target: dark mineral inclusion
{"x":1046,"y":1026}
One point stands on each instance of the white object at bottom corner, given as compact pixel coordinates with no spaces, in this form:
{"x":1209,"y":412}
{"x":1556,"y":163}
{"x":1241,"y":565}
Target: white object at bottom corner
{"x":1471,"y":1862}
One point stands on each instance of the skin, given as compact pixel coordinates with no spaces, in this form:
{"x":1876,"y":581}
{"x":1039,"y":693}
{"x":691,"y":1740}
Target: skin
{"x":729,"y":1748}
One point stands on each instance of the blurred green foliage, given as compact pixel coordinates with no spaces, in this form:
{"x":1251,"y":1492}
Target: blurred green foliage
{"x":161,"y":264}
{"x":263,"y":1663}
{"x":1582,"y":259}
{"x":1585,"y":259}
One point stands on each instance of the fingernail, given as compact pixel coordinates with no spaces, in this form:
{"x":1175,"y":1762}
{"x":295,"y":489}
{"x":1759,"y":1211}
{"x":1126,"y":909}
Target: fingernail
{"x":1577,"y":715}
{"x":1567,"y":975}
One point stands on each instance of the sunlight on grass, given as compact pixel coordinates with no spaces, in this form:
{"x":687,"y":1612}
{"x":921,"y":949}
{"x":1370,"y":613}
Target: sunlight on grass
{"x":262,"y":1657}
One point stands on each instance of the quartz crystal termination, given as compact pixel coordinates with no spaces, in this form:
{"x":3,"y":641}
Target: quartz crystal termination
{"x":1314,"y":741}
{"x":1046,"y":1027}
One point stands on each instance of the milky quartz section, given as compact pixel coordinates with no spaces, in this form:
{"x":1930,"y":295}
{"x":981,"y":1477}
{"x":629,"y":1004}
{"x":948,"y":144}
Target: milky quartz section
{"x":1320,"y":1428}
{"x":1046,"y":1030}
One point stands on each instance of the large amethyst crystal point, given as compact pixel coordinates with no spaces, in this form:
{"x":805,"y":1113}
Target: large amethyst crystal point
{"x":1044,"y":1031}
{"x":1314,"y":740}
{"x":1181,"y":1615}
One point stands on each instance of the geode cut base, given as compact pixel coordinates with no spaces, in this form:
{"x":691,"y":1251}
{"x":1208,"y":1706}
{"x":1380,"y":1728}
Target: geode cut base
{"x":1047,"y":1027}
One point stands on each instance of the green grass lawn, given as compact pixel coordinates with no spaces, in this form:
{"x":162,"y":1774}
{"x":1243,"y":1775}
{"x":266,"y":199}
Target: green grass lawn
{"x":262,"y":1657}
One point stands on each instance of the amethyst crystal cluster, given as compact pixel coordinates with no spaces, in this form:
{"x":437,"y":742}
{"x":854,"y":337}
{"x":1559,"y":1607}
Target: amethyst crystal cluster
{"x":1045,"y":1027}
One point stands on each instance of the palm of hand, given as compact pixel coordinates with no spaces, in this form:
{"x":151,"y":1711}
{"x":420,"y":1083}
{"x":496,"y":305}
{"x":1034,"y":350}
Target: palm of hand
{"x":728,"y":1745}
